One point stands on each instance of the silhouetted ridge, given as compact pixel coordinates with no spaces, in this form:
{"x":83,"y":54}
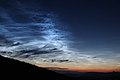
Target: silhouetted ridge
{"x":21,"y":70}
{"x":15,"y":70}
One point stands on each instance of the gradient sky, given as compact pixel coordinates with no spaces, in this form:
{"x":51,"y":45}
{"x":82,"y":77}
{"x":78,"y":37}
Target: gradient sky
{"x":72,"y":34}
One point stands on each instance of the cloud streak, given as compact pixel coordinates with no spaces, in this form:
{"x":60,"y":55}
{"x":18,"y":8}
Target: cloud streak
{"x":35,"y":35}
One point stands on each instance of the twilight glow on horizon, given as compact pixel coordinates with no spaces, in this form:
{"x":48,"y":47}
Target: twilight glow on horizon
{"x":56,"y":35}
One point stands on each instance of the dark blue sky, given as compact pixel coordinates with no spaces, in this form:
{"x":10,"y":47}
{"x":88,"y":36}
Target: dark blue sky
{"x":96,"y":23}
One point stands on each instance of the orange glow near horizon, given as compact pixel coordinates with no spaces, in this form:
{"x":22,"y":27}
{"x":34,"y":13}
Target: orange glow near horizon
{"x":80,"y":68}
{"x":94,"y":70}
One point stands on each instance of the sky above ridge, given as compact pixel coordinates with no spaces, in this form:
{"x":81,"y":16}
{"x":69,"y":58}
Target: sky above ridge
{"x":71,"y":34}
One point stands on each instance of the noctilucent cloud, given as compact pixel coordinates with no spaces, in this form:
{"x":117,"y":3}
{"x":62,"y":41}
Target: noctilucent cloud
{"x":73,"y":35}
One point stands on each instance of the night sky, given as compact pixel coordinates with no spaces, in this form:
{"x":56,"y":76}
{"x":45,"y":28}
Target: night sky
{"x":79,"y":35}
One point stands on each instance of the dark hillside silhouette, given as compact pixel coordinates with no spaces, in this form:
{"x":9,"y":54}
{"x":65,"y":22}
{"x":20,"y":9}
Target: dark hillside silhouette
{"x":13,"y":69}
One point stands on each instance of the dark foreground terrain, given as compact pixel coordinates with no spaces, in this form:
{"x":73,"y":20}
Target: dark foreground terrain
{"x":92,"y":75}
{"x":13,"y":70}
